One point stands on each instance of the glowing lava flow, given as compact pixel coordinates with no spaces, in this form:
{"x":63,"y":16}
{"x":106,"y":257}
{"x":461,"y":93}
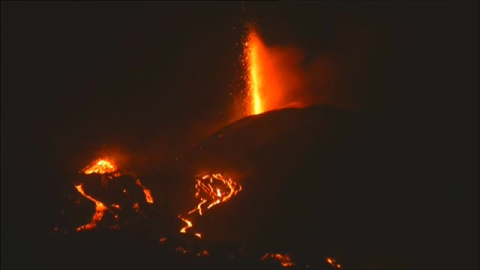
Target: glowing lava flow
{"x":148,"y":193}
{"x":188,"y":222}
{"x":214,"y":189}
{"x":252,"y":51}
{"x":108,"y":170}
{"x":211,"y":189}
{"x":284,"y":260}
{"x":99,"y":166}
{"x":100,"y":209}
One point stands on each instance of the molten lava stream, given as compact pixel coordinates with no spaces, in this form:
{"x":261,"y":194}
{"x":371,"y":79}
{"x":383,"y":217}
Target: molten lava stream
{"x":146,"y":191}
{"x":105,"y":167}
{"x":189,"y":225}
{"x":210,"y":190}
{"x":100,"y":209}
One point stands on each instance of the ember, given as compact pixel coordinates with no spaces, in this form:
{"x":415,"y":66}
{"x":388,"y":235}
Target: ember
{"x":333,"y":263}
{"x":182,"y":250}
{"x":162,"y":240}
{"x":203,"y":253}
{"x":284,"y":260}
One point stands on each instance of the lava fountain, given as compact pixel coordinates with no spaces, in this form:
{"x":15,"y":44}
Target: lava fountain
{"x":253,"y":49}
{"x":273,"y":75}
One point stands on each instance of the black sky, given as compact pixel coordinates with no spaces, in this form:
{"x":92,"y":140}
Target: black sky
{"x":149,"y":78}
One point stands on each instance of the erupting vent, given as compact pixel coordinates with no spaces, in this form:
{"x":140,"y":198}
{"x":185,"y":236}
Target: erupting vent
{"x":120,"y":199}
{"x":254,"y":70}
{"x":108,"y":170}
{"x":100,"y":166}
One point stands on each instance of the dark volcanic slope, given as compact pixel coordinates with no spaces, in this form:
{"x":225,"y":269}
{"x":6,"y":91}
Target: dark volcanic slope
{"x":376,"y":189}
{"x":309,"y":176}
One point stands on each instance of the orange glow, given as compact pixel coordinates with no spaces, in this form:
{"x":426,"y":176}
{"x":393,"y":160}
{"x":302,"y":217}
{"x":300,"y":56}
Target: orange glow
{"x":252,"y":51}
{"x":182,"y":250}
{"x":333,"y":263}
{"x":162,"y":240}
{"x":148,"y":194}
{"x":203,"y":253}
{"x":189,"y":225}
{"x":100,"y":166}
{"x":108,"y":170}
{"x":215,"y":189}
{"x":284,"y":260}
{"x":273,"y":76}
{"x":136,"y":207}
{"x":211,"y":189}
{"x":199,"y":207}
{"x":199,"y":235}
{"x":100,"y":209}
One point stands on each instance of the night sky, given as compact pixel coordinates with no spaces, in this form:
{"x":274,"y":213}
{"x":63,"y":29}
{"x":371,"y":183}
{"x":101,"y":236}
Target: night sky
{"x":150,"y":79}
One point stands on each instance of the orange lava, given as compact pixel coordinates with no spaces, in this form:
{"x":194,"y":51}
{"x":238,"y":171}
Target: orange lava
{"x":211,"y":190}
{"x":274,"y":79}
{"x":253,"y":48}
{"x":203,"y":253}
{"x":333,"y":263}
{"x":136,"y":207}
{"x":182,"y":250}
{"x":100,"y":166}
{"x":146,"y":191}
{"x":214,"y":189}
{"x":284,"y":260}
{"x":108,"y":170}
{"x":100,"y":209}
{"x":189,"y":225}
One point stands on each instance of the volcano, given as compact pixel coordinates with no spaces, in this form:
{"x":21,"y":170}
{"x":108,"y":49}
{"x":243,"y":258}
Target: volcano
{"x":306,"y":176}
{"x":200,"y":161}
